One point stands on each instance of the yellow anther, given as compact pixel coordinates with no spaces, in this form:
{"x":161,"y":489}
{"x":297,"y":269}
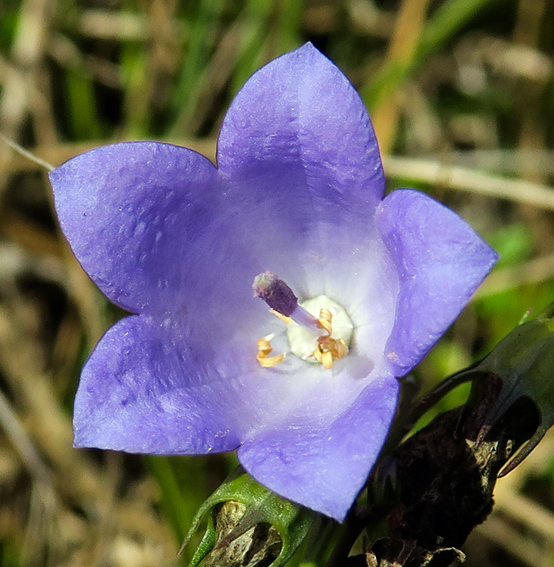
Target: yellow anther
{"x":342,"y":348}
{"x":264,"y":346}
{"x":325,"y":357}
{"x":264,"y":349}
{"x":268,"y":362}
{"x":337,"y":348}
{"x":284,"y":318}
{"x":325,"y":320}
{"x":325,"y":314}
{"x":330,"y":349}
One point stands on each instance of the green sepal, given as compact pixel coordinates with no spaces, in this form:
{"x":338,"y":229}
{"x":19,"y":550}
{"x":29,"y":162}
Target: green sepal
{"x":524,"y":361}
{"x":259,"y":506}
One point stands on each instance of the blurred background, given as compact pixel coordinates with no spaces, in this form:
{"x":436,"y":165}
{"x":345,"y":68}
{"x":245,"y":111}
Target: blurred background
{"x":461,"y":93}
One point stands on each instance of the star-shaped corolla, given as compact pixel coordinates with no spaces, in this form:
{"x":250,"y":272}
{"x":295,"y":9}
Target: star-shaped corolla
{"x":298,"y":192}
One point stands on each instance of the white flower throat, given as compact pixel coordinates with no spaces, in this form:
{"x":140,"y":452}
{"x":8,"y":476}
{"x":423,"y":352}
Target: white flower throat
{"x":319,"y":330}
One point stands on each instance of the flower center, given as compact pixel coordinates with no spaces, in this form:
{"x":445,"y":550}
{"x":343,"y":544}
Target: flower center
{"x":331,"y":345}
{"x":319,"y":330}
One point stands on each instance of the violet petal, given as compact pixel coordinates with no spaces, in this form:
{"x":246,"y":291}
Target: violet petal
{"x":138,"y":216}
{"x":441,"y":261}
{"x":323,"y":464}
{"x":140,"y":392}
{"x":301,"y":113}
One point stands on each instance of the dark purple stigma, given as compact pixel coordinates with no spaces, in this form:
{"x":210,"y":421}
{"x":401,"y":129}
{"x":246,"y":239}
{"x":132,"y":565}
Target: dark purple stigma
{"x":276,"y":293}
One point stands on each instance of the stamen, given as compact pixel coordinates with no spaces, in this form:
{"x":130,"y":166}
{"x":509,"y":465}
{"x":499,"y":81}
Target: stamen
{"x":325,"y":320}
{"x":328,"y":349}
{"x":325,"y":357}
{"x":264,"y":349}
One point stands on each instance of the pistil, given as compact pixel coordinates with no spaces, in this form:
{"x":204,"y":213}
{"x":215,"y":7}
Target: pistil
{"x":281,"y":299}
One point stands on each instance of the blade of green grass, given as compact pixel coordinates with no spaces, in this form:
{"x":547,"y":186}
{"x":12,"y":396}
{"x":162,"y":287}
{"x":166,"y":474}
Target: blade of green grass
{"x":179,"y":509}
{"x":203,"y":27}
{"x":289,"y":24}
{"x":256,"y":19}
{"x":83,"y":117}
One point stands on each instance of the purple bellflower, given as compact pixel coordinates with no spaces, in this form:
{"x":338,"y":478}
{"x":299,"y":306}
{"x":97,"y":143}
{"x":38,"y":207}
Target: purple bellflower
{"x":364,"y":286}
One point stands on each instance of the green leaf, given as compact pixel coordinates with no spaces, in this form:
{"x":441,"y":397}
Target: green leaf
{"x":524,"y":361}
{"x":247,"y":524}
